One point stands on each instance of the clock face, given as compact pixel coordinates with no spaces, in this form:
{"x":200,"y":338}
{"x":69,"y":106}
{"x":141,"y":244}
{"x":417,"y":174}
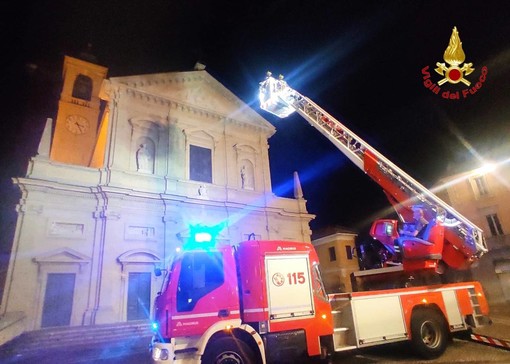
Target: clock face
{"x":77,"y":124}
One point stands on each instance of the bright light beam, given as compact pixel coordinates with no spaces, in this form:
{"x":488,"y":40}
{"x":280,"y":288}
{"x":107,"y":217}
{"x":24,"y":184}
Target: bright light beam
{"x":487,"y":168}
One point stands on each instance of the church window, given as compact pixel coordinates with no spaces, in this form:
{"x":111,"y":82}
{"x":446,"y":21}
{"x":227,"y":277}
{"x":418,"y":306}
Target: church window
{"x":200,"y":166}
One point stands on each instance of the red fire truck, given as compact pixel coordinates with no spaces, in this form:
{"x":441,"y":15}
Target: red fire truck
{"x":264,"y":301}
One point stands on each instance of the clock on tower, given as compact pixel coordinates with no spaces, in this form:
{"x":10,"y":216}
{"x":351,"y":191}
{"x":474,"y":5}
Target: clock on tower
{"x":77,"y":124}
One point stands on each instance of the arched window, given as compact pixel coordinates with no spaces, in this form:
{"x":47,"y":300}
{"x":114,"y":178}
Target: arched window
{"x":82,"y":88}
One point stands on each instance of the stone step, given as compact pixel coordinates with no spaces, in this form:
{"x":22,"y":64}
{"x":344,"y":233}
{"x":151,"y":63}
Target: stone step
{"x":131,"y":333}
{"x":95,"y":330}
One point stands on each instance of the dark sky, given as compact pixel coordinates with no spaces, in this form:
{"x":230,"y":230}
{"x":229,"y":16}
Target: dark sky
{"x":360,"y":60}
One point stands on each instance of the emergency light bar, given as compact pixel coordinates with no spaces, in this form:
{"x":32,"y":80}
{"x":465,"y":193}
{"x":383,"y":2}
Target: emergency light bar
{"x":202,"y":237}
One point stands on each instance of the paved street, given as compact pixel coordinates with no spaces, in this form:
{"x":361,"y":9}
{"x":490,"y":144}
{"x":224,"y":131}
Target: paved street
{"x":459,"y":351}
{"x":135,"y":351}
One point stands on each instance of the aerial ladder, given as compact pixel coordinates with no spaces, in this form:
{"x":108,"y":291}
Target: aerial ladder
{"x":449,"y":240}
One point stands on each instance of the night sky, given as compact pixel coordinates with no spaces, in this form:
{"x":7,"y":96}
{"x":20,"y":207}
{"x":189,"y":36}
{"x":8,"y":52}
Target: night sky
{"x":361,"y":61}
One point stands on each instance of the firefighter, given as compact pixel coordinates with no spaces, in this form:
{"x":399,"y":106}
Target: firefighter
{"x":419,"y":222}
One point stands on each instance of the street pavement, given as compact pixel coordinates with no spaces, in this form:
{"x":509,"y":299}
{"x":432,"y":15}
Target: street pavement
{"x":500,"y":328}
{"x":135,"y":351}
{"x":458,"y":351}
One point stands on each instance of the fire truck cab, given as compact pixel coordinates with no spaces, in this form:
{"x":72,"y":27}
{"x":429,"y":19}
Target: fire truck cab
{"x":256,"y":302}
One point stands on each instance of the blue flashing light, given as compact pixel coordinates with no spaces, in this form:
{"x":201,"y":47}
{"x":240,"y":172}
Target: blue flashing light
{"x":202,"y":237}
{"x":154,"y":326}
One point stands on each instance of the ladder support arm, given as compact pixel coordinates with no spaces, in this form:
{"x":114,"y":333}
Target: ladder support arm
{"x":402,"y":190}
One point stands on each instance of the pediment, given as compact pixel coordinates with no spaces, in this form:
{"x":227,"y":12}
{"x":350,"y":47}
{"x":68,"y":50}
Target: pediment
{"x":139,"y":256}
{"x":62,"y":255}
{"x":197,"y":89}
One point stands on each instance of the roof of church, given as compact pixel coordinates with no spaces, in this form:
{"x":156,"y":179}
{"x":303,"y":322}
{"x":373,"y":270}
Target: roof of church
{"x":197,"y":90}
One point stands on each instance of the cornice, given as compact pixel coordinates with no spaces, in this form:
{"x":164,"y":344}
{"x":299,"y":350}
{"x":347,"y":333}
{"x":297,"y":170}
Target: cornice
{"x":188,"y":108}
{"x":132,"y":85}
{"x":161,"y":78}
{"x":45,"y":185}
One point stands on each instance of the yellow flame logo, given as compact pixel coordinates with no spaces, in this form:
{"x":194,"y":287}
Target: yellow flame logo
{"x":454,"y":55}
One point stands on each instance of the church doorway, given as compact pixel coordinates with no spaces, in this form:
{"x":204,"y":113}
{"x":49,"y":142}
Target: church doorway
{"x":139,"y":296}
{"x":58,"y":299}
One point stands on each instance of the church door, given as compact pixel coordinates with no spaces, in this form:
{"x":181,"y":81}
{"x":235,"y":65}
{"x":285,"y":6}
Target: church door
{"x":58,"y":299}
{"x":139,"y":296}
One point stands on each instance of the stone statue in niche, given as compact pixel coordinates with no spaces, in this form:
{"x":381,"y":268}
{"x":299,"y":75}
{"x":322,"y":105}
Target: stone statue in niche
{"x":246,"y":178}
{"x":144,"y":159}
{"x":243,"y":176}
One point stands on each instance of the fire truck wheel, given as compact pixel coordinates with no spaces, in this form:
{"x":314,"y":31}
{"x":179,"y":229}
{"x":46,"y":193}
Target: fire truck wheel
{"x":429,"y":333}
{"x":228,"y":350}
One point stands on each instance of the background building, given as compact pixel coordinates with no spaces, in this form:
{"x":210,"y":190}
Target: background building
{"x":336,"y":249}
{"x":129,"y":164}
{"x":483,"y":196}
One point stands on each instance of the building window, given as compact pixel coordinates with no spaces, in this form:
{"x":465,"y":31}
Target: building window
{"x":481,"y":185}
{"x":348,"y":251}
{"x":494,"y":225}
{"x":200,"y":165}
{"x":82,"y":88}
{"x":332,"y":254}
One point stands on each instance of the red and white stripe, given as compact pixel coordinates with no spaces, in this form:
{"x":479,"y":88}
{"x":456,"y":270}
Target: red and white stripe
{"x":491,"y":341}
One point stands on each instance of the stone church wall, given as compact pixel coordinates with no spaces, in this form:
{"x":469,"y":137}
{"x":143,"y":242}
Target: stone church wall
{"x":88,"y":239}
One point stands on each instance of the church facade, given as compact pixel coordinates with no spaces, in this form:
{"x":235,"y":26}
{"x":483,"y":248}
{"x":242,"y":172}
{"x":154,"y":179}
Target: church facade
{"x":127,"y":168}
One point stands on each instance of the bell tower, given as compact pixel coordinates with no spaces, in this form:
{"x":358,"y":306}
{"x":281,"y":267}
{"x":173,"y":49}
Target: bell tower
{"x":76,"y":127}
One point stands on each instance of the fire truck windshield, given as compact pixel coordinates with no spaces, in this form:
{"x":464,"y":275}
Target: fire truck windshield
{"x":201,"y":273}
